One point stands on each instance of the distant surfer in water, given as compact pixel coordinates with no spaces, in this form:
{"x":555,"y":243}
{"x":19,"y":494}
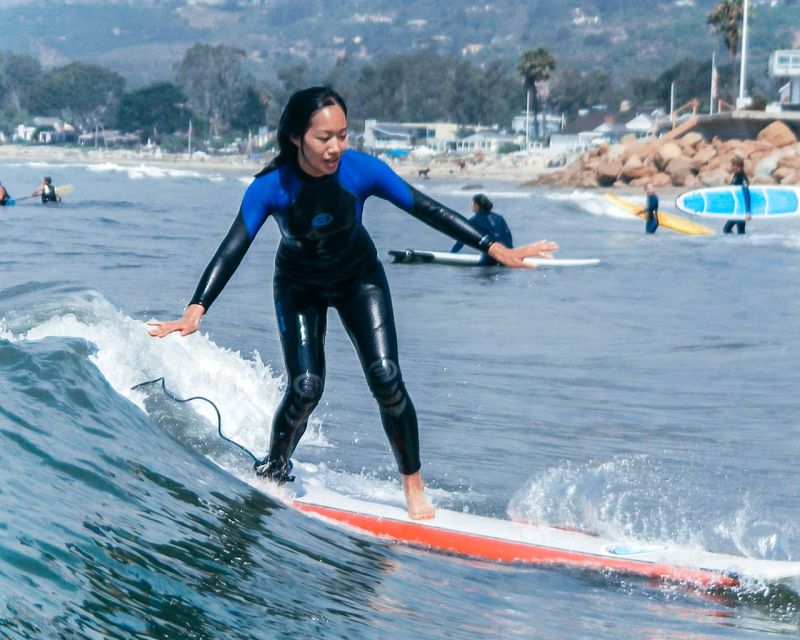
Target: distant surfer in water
{"x":650,"y":208}
{"x":315,"y":190}
{"x":5,"y":197}
{"x":47,"y":190}
{"x":739,"y":177}
{"x":487,"y":223}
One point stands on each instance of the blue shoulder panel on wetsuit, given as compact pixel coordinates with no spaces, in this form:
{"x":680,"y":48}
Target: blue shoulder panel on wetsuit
{"x":364,"y":175}
{"x":272,"y":192}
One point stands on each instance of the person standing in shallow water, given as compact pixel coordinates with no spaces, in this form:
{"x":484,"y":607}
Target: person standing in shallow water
{"x":315,"y":190}
{"x":739,"y":177}
{"x":650,"y":208}
{"x":488,"y":223}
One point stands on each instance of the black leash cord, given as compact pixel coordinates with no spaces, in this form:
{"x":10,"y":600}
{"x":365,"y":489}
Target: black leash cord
{"x":172,"y":396}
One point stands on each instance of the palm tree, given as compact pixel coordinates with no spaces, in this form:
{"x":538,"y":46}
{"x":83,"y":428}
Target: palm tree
{"x":535,"y":67}
{"x":725,"y":20}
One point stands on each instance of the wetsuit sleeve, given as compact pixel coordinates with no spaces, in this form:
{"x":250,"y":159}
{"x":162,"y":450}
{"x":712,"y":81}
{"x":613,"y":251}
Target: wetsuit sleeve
{"x":256,"y":204}
{"x":224,"y":263}
{"x":746,"y":194}
{"x":388,"y":185}
{"x":458,"y":246}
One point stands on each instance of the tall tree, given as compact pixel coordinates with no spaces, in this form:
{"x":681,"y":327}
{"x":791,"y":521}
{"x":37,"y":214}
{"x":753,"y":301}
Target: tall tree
{"x":535,"y":67}
{"x":154,"y":110}
{"x":85,"y":93}
{"x":213,"y":80}
{"x":725,"y":20}
{"x":18,"y":73}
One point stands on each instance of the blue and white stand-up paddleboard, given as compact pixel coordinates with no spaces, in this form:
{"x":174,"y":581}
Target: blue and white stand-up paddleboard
{"x":728,"y":202}
{"x":413,"y":256}
{"x":507,"y":541}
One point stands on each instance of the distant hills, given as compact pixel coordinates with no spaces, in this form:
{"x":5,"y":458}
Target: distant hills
{"x":142,"y":39}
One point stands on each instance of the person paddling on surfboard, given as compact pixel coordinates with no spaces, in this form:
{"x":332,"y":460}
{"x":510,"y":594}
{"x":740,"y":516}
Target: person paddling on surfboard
{"x":488,"y":223}
{"x":5,"y":197}
{"x":47,"y":190}
{"x":650,"y":208}
{"x":739,"y":177}
{"x":315,"y":190}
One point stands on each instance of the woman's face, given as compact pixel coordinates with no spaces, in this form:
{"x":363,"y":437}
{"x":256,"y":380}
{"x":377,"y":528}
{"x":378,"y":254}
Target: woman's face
{"x":323,"y":144}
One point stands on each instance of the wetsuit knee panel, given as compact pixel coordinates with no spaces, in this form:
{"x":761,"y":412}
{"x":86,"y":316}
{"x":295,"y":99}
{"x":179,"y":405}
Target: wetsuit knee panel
{"x":307,"y":386}
{"x":387,"y":385}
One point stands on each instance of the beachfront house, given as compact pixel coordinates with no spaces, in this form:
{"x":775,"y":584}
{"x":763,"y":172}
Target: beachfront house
{"x":404,"y":136}
{"x":399,"y":138}
{"x":489,"y":140}
{"x":547,"y":123}
{"x":45,"y":130}
{"x":108,"y":138}
{"x":601,"y":125}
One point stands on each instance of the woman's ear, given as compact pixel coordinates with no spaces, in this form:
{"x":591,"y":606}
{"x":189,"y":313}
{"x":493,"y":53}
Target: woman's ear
{"x":295,"y":141}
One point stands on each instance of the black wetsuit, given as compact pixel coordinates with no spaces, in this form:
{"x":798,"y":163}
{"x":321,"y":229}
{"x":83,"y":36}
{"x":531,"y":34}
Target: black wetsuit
{"x":327,"y":259}
{"x":740,"y":177}
{"x":492,"y":225}
{"x":651,"y":211}
{"x":49,"y":194}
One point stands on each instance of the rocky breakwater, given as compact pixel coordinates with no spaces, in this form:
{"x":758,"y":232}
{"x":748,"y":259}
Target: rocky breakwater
{"x":686,"y":161}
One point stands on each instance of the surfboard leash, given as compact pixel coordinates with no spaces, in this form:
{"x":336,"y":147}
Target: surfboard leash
{"x":172,"y":396}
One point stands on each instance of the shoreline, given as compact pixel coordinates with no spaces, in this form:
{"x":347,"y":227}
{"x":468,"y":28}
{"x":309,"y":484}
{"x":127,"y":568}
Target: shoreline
{"x":514,"y":167}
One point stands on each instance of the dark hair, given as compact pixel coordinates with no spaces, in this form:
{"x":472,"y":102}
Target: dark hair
{"x":47,"y":180}
{"x":738,"y":161}
{"x":484,"y":204}
{"x":296,"y":119}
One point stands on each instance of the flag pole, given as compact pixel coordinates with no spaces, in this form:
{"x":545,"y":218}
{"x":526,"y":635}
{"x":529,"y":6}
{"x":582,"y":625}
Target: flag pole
{"x":713,"y":93}
{"x":743,"y":68}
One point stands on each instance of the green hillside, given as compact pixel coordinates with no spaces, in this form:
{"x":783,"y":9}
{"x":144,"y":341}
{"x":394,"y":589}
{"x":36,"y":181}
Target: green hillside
{"x":142,"y":39}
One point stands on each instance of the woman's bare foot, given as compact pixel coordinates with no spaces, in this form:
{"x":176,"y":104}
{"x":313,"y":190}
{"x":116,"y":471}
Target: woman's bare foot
{"x":418,"y":506}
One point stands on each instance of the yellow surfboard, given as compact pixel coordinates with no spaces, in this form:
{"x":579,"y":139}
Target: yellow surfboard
{"x":668,"y":220}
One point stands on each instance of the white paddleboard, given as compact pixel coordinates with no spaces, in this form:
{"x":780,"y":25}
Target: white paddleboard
{"x":506,"y":541}
{"x":728,"y":202}
{"x":413,"y":256}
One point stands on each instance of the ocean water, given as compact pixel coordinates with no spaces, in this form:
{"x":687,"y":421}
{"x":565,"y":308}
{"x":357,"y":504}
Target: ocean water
{"x":653,"y":397}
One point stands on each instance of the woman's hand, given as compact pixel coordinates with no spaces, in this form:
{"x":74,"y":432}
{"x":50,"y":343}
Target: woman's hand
{"x":189,"y":323}
{"x":515,"y":257}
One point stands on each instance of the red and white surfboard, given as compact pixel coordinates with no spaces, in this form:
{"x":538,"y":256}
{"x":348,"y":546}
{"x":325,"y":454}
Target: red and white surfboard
{"x":515,"y":542}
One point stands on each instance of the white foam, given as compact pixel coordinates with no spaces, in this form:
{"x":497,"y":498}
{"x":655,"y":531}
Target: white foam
{"x":140,"y":171}
{"x":590,"y":201}
{"x":245,"y":390}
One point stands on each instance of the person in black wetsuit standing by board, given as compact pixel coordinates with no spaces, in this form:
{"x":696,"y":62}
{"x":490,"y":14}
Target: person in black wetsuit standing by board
{"x":488,"y":223}
{"x":315,"y":190}
{"x":739,"y":177}
{"x":650,"y":209}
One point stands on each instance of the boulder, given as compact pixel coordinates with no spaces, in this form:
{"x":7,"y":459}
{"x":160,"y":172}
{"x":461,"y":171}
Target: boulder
{"x":608,"y":172}
{"x":615,"y":152}
{"x":660,"y":180}
{"x":791,"y":178}
{"x":777,"y":134}
{"x":713,"y":178}
{"x":691,"y":139}
{"x":766,"y":165}
{"x":678,"y":170}
{"x":666,"y":152}
{"x":781,"y":174}
{"x":643,"y":171}
{"x":702,"y":157}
